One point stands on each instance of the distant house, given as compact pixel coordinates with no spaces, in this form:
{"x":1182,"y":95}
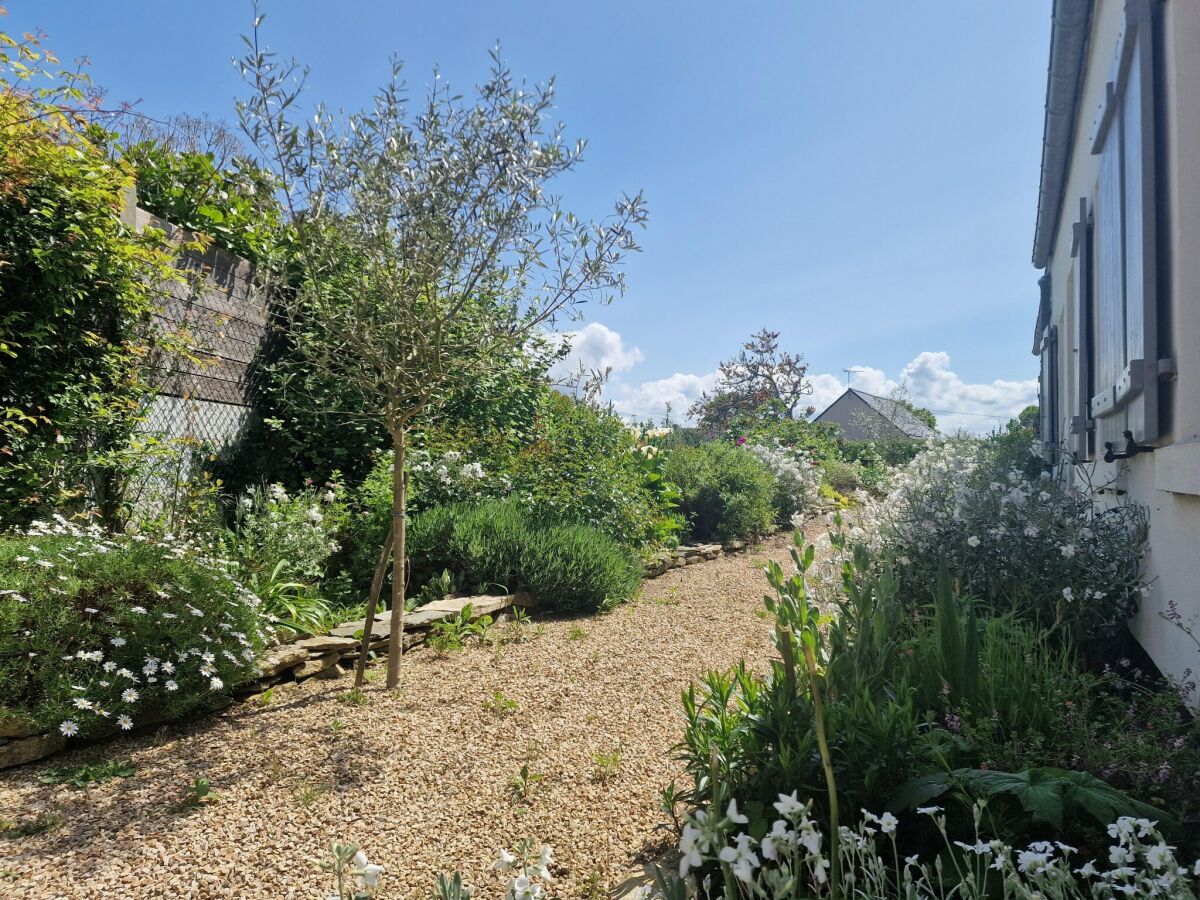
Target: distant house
{"x":1118,"y":325}
{"x":865,"y":417}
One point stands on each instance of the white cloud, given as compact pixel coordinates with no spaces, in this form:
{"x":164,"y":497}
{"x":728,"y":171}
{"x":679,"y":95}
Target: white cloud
{"x":649,"y":399}
{"x":596,"y":347}
{"x":928,"y":380}
{"x":826,"y":389}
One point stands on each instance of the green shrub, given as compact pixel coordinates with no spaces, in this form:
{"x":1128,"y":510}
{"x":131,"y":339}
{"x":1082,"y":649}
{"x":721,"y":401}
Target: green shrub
{"x":499,"y":545}
{"x":290,"y":604}
{"x":575,"y":568}
{"x":486,"y":541}
{"x":914,"y":688}
{"x":583,"y":466}
{"x":727,"y":492}
{"x":844,"y":477}
{"x":875,"y":459}
{"x":100,"y":632}
{"x":368,"y":519}
{"x":888,"y":451}
{"x":570,"y":463}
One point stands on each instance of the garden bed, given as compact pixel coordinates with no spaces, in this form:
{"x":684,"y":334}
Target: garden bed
{"x":422,"y":780}
{"x":328,"y":655}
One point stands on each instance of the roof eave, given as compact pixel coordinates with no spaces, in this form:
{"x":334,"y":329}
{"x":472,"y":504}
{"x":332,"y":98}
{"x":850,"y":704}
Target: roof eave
{"x":1071,"y":24}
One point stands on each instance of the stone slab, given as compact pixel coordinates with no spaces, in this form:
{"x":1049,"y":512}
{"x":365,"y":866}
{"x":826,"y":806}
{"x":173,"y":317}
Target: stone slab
{"x":313,"y":666}
{"x":17,"y":727}
{"x":327,"y":644}
{"x":350,"y":629}
{"x":29,"y":749}
{"x":281,"y":658}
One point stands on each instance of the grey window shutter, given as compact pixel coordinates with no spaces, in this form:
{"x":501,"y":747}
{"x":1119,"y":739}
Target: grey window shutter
{"x":1141,"y":241}
{"x":1055,"y":392}
{"x":1048,"y":395}
{"x":1082,"y":426}
{"x":1043,"y":430}
{"x":1125,"y":361}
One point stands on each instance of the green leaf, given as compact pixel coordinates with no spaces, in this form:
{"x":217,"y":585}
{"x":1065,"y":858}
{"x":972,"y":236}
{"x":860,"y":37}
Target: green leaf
{"x":919,"y":791}
{"x":1039,"y":793}
{"x":211,"y":213}
{"x":1105,"y":803}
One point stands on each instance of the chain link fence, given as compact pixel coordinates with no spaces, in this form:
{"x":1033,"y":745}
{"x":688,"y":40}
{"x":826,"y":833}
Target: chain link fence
{"x":202,"y":395}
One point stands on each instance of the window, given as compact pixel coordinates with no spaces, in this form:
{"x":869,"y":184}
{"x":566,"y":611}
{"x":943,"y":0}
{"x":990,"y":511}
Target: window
{"x":1118,"y":245}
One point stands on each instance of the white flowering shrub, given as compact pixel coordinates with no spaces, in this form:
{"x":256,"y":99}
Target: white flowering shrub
{"x":719,"y":858}
{"x":1038,"y":547}
{"x":797,"y":480}
{"x":449,"y":477}
{"x":102,"y":632}
{"x":298,"y":529}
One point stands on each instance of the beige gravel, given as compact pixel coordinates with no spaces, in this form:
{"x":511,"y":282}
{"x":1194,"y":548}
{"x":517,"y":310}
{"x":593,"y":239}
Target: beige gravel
{"x":421,"y":779}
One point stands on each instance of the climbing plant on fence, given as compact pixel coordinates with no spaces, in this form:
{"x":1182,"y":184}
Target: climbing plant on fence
{"x":77,"y":294}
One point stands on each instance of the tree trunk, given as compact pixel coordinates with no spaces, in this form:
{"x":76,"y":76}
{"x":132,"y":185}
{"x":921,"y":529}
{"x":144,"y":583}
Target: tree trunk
{"x":399,"y":569}
{"x":372,"y":604}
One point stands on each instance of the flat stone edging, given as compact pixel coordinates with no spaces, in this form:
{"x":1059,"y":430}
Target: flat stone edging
{"x":688,"y":554}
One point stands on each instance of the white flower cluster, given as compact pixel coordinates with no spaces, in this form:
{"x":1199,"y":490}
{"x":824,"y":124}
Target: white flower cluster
{"x":797,"y":478}
{"x":530,"y":866}
{"x":1032,"y":543}
{"x":273,"y":525}
{"x":448,"y":479}
{"x":114,"y":678}
{"x":793,"y":854}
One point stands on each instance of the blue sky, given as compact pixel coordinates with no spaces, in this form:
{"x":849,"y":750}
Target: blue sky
{"x":859,"y":175}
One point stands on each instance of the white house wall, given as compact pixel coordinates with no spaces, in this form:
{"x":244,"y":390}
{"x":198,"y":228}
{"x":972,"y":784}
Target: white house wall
{"x":1167,"y":482}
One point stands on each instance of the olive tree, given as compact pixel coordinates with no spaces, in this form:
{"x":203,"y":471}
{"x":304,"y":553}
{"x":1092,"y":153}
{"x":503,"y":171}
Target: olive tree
{"x":430,"y":245}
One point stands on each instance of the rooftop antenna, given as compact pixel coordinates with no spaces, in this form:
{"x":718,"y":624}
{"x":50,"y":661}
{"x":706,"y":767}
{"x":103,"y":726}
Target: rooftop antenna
{"x":852,"y":370}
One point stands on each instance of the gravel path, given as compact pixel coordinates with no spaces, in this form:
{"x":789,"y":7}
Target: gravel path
{"x":421,"y":780}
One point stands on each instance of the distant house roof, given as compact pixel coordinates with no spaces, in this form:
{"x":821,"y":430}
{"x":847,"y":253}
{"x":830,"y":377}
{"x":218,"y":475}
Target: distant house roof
{"x":847,"y":409}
